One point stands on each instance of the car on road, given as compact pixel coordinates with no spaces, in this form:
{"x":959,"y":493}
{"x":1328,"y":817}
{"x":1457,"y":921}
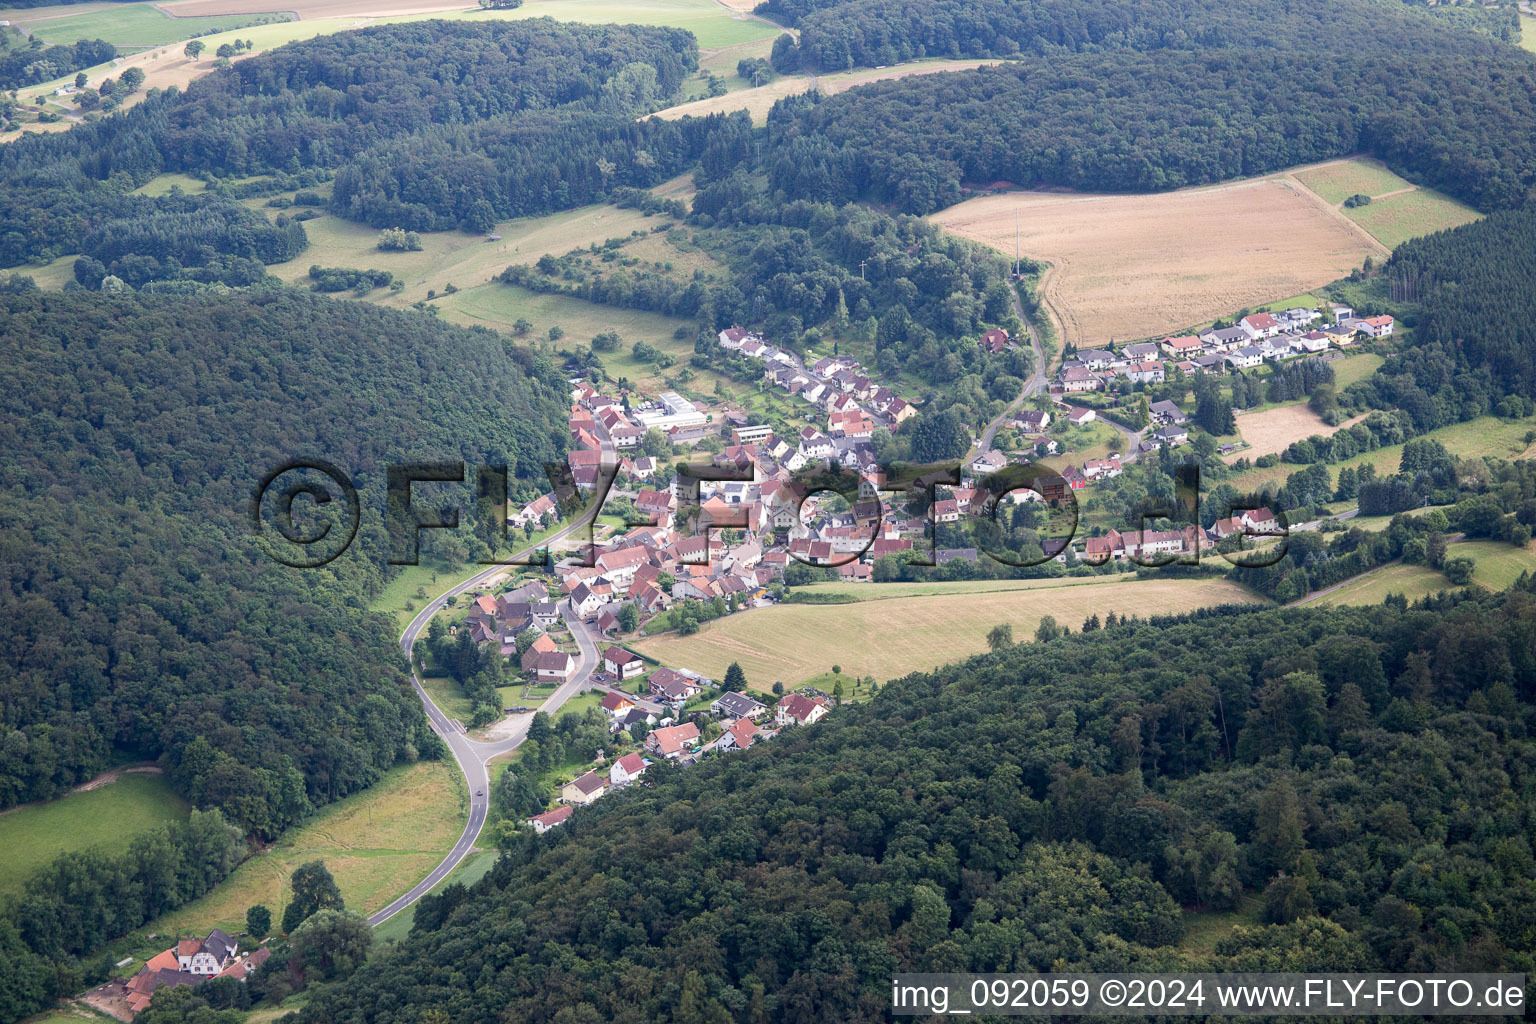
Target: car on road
{"x":479,"y":792}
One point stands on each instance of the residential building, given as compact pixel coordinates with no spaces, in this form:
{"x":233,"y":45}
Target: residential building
{"x":549,"y":819}
{"x":616,"y":704}
{"x":995,"y":340}
{"x":739,"y":735}
{"x":798,"y":709}
{"x":1259,"y":325}
{"x":555,"y":667}
{"x":621,"y":663}
{"x":736,"y":705}
{"x":627,"y":769}
{"x":673,"y":741}
{"x":584,"y":789}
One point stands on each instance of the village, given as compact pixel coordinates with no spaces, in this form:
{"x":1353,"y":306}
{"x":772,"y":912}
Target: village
{"x":684,"y":551}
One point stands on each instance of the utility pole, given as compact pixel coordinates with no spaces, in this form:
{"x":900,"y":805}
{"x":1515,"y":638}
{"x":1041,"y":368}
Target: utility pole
{"x":1015,"y":243}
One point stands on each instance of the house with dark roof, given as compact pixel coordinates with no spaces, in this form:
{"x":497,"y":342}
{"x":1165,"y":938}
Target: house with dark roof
{"x":621,"y":663}
{"x":1166,"y":412}
{"x":555,"y":667}
{"x":583,"y":789}
{"x":737,"y":705}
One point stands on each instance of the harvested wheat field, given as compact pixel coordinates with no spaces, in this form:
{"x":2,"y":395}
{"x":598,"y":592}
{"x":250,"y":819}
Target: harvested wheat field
{"x":1140,"y":266}
{"x":1272,"y":431}
{"x":890,"y":638}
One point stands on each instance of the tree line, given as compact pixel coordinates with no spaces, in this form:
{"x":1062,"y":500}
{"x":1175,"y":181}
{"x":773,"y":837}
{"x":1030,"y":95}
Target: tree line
{"x":78,"y":902}
{"x":24,"y":63}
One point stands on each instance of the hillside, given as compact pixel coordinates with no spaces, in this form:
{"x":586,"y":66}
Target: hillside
{"x":380,"y":110}
{"x":1051,"y":806}
{"x":137,"y":612}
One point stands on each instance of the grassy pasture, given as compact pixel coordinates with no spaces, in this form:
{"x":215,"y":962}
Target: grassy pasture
{"x":1411,"y":581}
{"x":452,"y":257}
{"x":107,"y":817}
{"x":377,"y":844}
{"x":890,"y":638}
{"x":1423,"y":211}
{"x":1499,"y":564}
{"x":133,"y":26}
{"x":1337,"y":180}
{"x":1486,"y":435}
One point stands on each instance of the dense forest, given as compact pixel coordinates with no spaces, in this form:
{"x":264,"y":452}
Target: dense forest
{"x":1125,"y":121}
{"x":425,"y":125}
{"x":1356,"y":780}
{"x":1475,"y":341}
{"x":139,"y":616}
{"x":839,"y":34}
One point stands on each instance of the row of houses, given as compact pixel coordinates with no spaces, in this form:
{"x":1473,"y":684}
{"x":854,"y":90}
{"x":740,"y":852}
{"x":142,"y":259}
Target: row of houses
{"x":682,"y":742}
{"x":1253,"y":340}
{"x":1185,"y":541}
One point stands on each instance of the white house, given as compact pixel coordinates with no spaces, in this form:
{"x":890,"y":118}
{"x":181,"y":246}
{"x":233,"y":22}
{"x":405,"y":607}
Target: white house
{"x":1377,"y":326}
{"x":797,"y":709}
{"x":206,"y":957}
{"x":1245,"y":358}
{"x":1259,"y":325}
{"x":621,"y":663}
{"x":627,"y":769}
{"x":549,"y":819}
{"x":989,"y":461}
{"x":555,"y":667}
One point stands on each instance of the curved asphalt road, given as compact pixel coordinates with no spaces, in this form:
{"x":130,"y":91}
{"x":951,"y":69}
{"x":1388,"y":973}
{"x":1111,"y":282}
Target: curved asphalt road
{"x":1033,"y":386}
{"x":472,"y":755}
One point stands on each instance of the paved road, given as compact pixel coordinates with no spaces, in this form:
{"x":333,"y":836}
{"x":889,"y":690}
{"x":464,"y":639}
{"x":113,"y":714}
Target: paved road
{"x":471,"y":755}
{"x":1033,"y":386}
{"x":1317,"y":523}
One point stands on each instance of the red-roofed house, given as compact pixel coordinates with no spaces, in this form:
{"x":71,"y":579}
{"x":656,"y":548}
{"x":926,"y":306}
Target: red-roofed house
{"x":739,"y":734}
{"x":1259,"y":325}
{"x":622,"y":663}
{"x":627,"y":769}
{"x":549,"y":819}
{"x":616,"y":703}
{"x":995,"y":340}
{"x":1183,"y":346}
{"x":1376,"y":326}
{"x":798,"y":709}
{"x":673,"y":741}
